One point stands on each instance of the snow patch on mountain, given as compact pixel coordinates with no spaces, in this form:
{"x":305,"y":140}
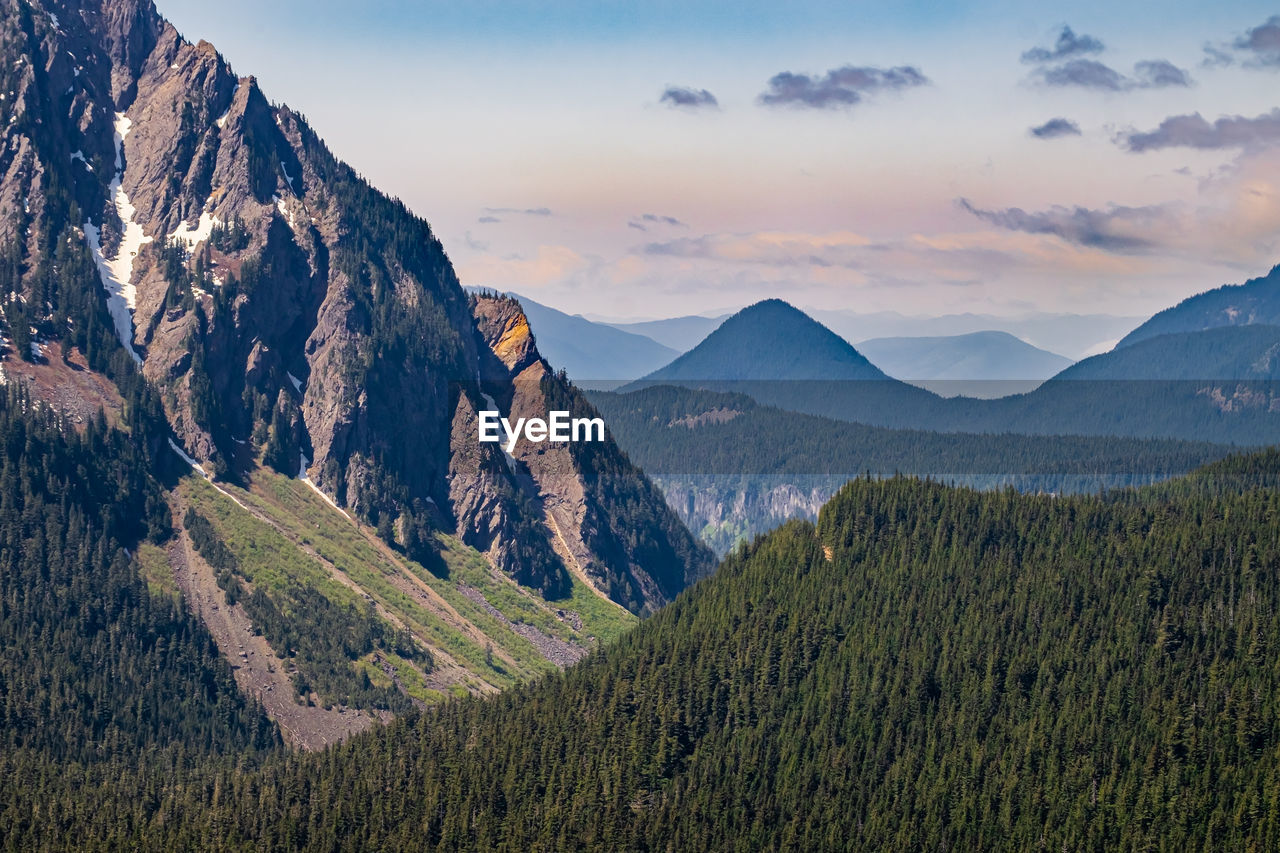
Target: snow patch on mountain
{"x":195,"y":236}
{"x":117,"y":272}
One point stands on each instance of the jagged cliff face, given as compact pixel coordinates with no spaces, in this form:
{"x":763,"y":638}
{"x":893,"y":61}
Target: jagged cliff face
{"x":600,"y":517}
{"x":289,"y":314}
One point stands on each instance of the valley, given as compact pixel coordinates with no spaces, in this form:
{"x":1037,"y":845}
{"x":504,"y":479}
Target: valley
{"x":554,"y":523}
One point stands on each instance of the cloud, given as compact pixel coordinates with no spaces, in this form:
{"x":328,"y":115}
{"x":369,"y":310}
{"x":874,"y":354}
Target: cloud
{"x":1216,"y":57}
{"x":1233,"y":222}
{"x":487,"y":219}
{"x":520,"y":211}
{"x":1068,"y":44}
{"x":839,"y":87}
{"x":1117,"y":229}
{"x":681,"y":97}
{"x":1087,"y":73}
{"x":1193,"y":131}
{"x":1222,"y":227}
{"x":1159,"y":74}
{"x":1259,"y":47}
{"x":643,"y":221}
{"x":1054,"y":128}
{"x":1091,"y":74}
{"x":1262,"y":43}
{"x":741,"y":263}
{"x":769,"y":248}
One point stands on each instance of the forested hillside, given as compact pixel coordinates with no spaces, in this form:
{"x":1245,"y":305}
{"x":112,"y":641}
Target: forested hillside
{"x":96,"y":664}
{"x":734,"y":468}
{"x":672,"y":430}
{"x":926,"y":668}
{"x":1255,"y":301}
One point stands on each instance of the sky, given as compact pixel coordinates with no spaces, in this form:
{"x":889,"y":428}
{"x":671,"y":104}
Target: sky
{"x":634,"y":161}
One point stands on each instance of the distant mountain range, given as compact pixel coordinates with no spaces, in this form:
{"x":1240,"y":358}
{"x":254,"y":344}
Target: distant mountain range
{"x":1193,"y":386}
{"x":1257,"y":301}
{"x":679,"y":333}
{"x":988,"y":363}
{"x":1074,"y":336}
{"x":992,"y":356}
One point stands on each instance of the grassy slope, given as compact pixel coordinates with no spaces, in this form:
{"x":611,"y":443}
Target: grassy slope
{"x":292,"y":535}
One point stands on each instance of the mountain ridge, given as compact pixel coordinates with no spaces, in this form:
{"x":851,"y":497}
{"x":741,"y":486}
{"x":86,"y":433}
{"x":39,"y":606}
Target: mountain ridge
{"x":982,"y":355}
{"x":1218,"y":385}
{"x":1255,"y":301}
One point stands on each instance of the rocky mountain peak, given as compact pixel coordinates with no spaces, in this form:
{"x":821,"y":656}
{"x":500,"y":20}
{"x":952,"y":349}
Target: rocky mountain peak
{"x":287,"y":313}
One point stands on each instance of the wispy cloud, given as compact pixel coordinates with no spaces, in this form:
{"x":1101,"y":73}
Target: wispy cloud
{"x":1055,"y":128}
{"x":771,"y":248}
{"x":1234,"y":220}
{"x":1193,"y":131}
{"x":1216,"y":57}
{"x":682,"y":97}
{"x":1116,"y":229}
{"x":519,"y":211}
{"x":1091,"y":74}
{"x":1086,"y":73}
{"x":1067,"y":45}
{"x":645,"y":220}
{"x":1159,"y":73}
{"x":847,"y":259}
{"x":838,"y":88}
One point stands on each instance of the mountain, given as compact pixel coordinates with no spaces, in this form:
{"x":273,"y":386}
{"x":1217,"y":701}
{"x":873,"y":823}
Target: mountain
{"x":1255,"y":301}
{"x":1246,"y":352}
{"x":976,"y":364}
{"x":188,"y":257}
{"x":925,"y":668}
{"x":592,"y":352}
{"x":680,"y":333}
{"x":977,"y":355}
{"x":768,"y":341}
